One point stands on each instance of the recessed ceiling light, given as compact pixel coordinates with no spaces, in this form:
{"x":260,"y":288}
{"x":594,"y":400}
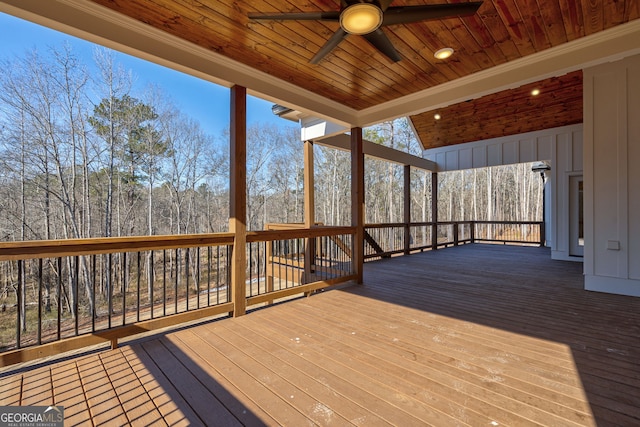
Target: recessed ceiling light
{"x":443,"y":53}
{"x":437,"y":116}
{"x":535,"y":92}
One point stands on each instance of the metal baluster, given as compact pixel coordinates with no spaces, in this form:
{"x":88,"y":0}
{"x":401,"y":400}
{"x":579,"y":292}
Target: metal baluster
{"x":152,"y":284}
{"x":324,"y":260}
{"x":176,"y":281}
{"x":76,"y":293}
{"x":93,"y":294}
{"x":229,"y":252}
{"x":266,"y":263}
{"x":40,"y":279}
{"x":209,"y":251}
{"x":164,"y":282}
{"x":123,"y":284}
{"x":286,"y":267}
{"x":186,"y":273}
{"x":250,"y":270}
{"x":138,"y":288}
{"x":273,"y":256}
{"x":218,"y":274}
{"x":19,"y":304}
{"x":59,"y":296}
{"x":198,"y":275}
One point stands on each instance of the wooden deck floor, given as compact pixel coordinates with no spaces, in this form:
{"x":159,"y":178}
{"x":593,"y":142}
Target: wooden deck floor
{"x":478,"y":335}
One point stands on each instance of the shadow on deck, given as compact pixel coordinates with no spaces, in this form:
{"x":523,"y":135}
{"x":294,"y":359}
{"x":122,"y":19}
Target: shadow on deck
{"x":521,"y":291}
{"x":473,"y":335}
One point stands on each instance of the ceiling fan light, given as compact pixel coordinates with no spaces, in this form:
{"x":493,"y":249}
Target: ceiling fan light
{"x":361,"y":18}
{"x":443,"y":53}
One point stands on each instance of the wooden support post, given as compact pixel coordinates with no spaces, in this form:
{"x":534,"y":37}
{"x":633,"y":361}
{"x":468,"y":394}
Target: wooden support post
{"x":238,"y":198}
{"x":309,"y":194}
{"x":357,"y":201}
{"x":472,"y":231}
{"x":309,"y":209}
{"x":407,"y":209}
{"x":434,"y":210}
{"x":456,"y":231}
{"x":269,"y":268}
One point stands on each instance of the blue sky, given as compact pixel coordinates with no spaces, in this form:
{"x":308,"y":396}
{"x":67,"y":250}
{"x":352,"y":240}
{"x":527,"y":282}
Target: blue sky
{"x":203,"y":101}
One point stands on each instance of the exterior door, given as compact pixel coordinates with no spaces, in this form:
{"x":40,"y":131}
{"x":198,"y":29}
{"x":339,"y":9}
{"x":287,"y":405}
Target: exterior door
{"x":576,"y":216}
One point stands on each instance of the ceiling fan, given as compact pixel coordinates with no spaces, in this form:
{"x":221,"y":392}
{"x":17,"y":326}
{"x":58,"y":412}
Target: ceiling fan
{"x":366,"y":17}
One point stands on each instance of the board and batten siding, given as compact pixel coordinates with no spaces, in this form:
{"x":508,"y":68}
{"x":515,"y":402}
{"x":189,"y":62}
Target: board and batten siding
{"x":561,"y":147}
{"x":612,"y":177}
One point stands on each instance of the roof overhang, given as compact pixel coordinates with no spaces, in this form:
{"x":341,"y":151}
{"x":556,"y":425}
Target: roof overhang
{"x":87,"y":20}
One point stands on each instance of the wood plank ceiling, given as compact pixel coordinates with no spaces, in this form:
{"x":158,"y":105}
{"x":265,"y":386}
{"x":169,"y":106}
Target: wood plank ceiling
{"x":508,"y":112}
{"x":355,"y":74}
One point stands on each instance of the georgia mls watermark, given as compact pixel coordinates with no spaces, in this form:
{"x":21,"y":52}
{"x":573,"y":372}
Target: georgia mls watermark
{"x":31,"y":416}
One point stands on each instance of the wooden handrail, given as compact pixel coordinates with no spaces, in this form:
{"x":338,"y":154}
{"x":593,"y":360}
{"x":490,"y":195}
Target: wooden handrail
{"x":506,"y":222}
{"x":385,"y":225}
{"x":267,"y":235}
{"x":34,"y":249}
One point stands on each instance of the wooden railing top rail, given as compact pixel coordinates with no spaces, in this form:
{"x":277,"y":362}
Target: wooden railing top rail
{"x":428,"y":223}
{"x":509,"y":222}
{"x":385,"y":225}
{"x":299,"y":233}
{"x":421,"y":224}
{"x":31,"y":249}
{"x":454,"y":222}
{"x":287,"y":225}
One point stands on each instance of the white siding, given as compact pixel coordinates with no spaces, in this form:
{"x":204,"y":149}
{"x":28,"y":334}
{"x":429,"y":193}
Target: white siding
{"x":561,"y":147}
{"x":612,"y":207}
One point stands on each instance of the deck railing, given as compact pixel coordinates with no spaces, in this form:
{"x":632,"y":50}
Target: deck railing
{"x":385,"y":240}
{"x":516,"y":232}
{"x":66,"y":294}
{"x":286,"y":260}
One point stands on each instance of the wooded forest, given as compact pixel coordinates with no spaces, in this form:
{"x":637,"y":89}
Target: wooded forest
{"x":90,"y":155}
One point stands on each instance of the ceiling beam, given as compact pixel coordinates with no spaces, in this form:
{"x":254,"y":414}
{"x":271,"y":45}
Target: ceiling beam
{"x":343,"y":142}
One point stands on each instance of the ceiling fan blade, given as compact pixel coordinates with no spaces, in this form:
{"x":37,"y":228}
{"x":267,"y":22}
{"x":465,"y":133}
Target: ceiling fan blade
{"x":384,"y":4}
{"x":297,"y":16}
{"x":410,"y":14}
{"x":381,"y":42}
{"x":335,"y":39}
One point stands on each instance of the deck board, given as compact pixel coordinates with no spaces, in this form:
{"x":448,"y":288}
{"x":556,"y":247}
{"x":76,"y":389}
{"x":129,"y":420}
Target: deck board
{"x":36,"y":388}
{"x":65,"y":380}
{"x":11,"y":390}
{"x":474,"y":335}
{"x":319,"y":382}
{"x":211,"y":365}
{"x":188,"y":385}
{"x":489,"y":394}
{"x":103,"y":402}
{"x":135,"y":401}
{"x":174,"y":409}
